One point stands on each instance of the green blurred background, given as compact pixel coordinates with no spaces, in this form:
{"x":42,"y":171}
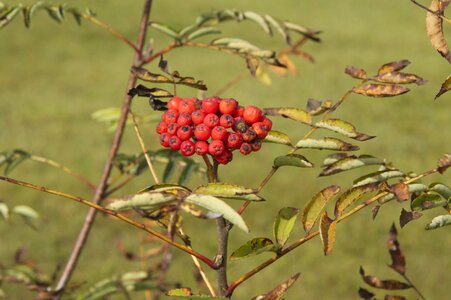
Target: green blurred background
{"x":55,"y":76}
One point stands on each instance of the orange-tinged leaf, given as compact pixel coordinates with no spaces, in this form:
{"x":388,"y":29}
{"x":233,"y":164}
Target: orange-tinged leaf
{"x":446,"y":86}
{"x":399,"y":78}
{"x":355,"y":72}
{"x":393,"y":66}
{"x":434,"y":28}
{"x":285,"y":60}
{"x":398,"y":261}
{"x":383,"y":284}
{"x":351,"y":196}
{"x":263,"y":76}
{"x":279,"y":291}
{"x":327,"y":229}
{"x":380,"y":90}
{"x":316,"y":205}
{"x":401,"y":191}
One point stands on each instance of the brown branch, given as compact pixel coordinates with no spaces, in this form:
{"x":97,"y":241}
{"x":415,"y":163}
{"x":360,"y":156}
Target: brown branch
{"x":101,"y":188}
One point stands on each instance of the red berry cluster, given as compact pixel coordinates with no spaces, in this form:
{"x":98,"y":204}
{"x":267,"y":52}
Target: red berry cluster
{"x":212,"y":126}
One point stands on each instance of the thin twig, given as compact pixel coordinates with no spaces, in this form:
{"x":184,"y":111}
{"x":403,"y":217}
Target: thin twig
{"x":101,"y":188}
{"x":65,"y":169}
{"x":113,"y":214}
{"x":311,"y":235}
{"x":438,"y":14}
{"x":144,"y":149}
{"x":413,"y":286}
{"x":163,"y":51}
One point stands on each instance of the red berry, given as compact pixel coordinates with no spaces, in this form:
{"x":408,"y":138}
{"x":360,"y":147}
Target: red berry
{"x":252,"y":114}
{"x":211,"y":120}
{"x":186,"y":105}
{"x":201,"y":147}
{"x":268,"y":123}
{"x":198,"y":117}
{"x":187,"y":148}
{"x":170,"y":116}
{"x":239,"y":125}
{"x":219,"y":133}
{"x":184,"y":118}
{"x":197,"y":104}
{"x":226,"y":121}
{"x":245,"y":149}
{"x":234,"y":141}
{"x":202,"y":132}
{"x":225,"y":157}
{"x":216,"y":147}
{"x":174,"y":103}
{"x":260,"y":129}
{"x":228,"y":106}
{"x":256,"y":145}
{"x":239,"y":111}
{"x":162,"y":127}
{"x":174,"y":142}
{"x":210,"y":105}
{"x":164,"y":139}
{"x":172,"y":128}
{"x":184,"y":132}
{"x":249,"y":135}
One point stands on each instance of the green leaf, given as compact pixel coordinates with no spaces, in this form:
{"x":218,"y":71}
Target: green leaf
{"x":216,"y":205}
{"x":55,"y":13}
{"x":296,"y":114}
{"x":413,"y":188}
{"x":166,"y":30}
{"x":344,"y":128}
{"x":145,"y":201}
{"x":203,"y":31}
{"x":349,"y":163}
{"x":315,"y":206}
{"x":146,"y":75}
{"x":327,"y":143}
{"x":378,"y":176}
{"x":279,"y":27}
{"x":235,"y":43}
{"x":278,"y":137}
{"x":28,"y":214}
{"x":284,"y":223}
{"x":351,"y":196}
{"x":253,"y":247}
{"x":29,"y":11}
{"x":228,"y":191}
{"x":187,"y":293}
{"x":4,"y":210}
{"x":8,"y":15}
{"x":166,"y":187}
{"x":294,"y":160}
{"x":439,"y":221}
{"x":327,"y":228}
{"x":427,"y":201}
{"x":441,"y":189}
{"x":302,"y":30}
{"x":259,"y":19}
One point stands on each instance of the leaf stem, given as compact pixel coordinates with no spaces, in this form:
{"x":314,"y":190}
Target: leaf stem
{"x":311,"y":235}
{"x":113,"y":213}
{"x":432,"y":12}
{"x":413,"y":286}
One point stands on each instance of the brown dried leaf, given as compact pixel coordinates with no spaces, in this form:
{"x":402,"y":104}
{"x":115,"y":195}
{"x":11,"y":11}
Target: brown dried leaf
{"x":446,"y":86}
{"x":327,"y":232}
{"x":252,"y":64}
{"x":355,"y":72}
{"x":278,"y":291}
{"x":394,"y":297}
{"x":365,"y":294}
{"x":407,"y":216}
{"x":434,"y":28}
{"x":401,"y":191}
{"x":393,"y":66}
{"x":375,"y":211}
{"x":380,"y":90}
{"x":444,"y":163}
{"x":383,"y":284}
{"x":397,"y":257}
{"x":399,"y":78}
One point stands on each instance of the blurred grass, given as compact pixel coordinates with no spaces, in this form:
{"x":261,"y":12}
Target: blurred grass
{"x":54,"y":76}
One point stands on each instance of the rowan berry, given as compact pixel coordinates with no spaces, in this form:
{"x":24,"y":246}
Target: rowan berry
{"x":216,"y":147}
{"x":228,"y":106}
{"x":219,"y":133}
{"x":249,"y":135}
{"x":268,"y":123}
{"x":185,"y":132}
{"x":164,"y":139}
{"x":184,"y":118}
{"x":226,"y":121}
{"x":234,"y":141}
{"x":175,"y":142}
{"x":239,"y":125}
{"x":225,"y":157}
{"x":172,"y":128}
{"x":245,"y":148}
{"x":256,"y":144}
{"x":239,"y":111}
{"x":201,"y":147}
{"x":252,"y":114}
{"x":170,"y":116}
{"x":198,"y":116}
{"x":260,"y":129}
{"x":174,"y":103}
{"x":187,"y":148}
{"x":211,"y":120}
{"x":202,"y":132}
{"x":210,"y":105}
{"x":162,"y":127}
{"x":186,"y":105}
